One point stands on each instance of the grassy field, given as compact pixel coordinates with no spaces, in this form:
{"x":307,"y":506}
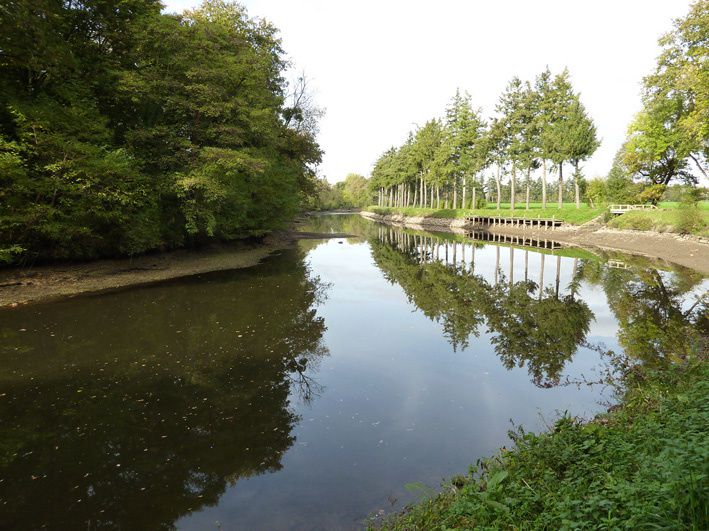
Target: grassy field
{"x":643,"y":466}
{"x":703,"y":205}
{"x":568,"y":214}
{"x":677,"y":220}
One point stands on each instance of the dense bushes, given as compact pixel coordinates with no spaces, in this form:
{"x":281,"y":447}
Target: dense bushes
{"x":123,"y":129}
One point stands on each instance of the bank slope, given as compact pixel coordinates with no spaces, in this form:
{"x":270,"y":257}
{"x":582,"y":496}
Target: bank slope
{"x":644,"y":465}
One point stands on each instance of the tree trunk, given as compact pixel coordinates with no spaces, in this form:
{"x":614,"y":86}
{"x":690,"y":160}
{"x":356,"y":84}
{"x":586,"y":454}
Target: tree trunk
{"x":577,"y":191}
{"x":463,"y":205}
{"x":544,"y":183}
{"x":561,"y":184}
{"x":432,"y":198}
{"x":497,"y":181}
{"x":512,"y":186}
{"x":438,"y":197}
{"x":474,"y":202}
{"x":526,"y":200}
{"x":416,"y":191}
{"x":455,"y":194}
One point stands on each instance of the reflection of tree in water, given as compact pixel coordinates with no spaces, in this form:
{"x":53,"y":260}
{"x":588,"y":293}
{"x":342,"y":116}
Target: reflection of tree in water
{"x":532,"y":327}
{"x":660,"y":320}
{"x":543,"y":333}
{"x":131,"y":410}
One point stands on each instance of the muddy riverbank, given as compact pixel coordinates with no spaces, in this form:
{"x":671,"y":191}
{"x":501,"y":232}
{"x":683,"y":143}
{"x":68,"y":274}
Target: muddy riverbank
{"x":687,"y":251}
{"x":33,"y":284}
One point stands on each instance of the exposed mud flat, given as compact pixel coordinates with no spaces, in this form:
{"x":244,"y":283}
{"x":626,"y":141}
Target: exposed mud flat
{"x":25,"y":285}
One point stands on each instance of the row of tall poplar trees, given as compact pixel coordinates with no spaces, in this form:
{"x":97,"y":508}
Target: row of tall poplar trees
{"x":537,"y":126}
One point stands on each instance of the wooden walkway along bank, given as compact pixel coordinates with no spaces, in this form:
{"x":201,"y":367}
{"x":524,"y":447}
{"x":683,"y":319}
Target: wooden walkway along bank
{"x":497,"y":221}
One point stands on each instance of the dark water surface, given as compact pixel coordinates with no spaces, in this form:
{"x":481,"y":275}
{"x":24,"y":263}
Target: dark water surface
{"x":307,"y":392}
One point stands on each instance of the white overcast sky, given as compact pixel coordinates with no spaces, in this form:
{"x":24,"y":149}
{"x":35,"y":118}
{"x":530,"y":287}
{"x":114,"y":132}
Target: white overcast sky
{"x":380,"y":67}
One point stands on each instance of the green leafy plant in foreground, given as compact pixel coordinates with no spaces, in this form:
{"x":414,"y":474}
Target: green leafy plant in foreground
{"x":643,"y":466}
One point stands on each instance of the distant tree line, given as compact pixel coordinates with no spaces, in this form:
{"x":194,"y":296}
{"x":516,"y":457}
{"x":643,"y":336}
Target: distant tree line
{"x":352,"y":192}
{"x":442,"y":164}
{"x":123,"y":129}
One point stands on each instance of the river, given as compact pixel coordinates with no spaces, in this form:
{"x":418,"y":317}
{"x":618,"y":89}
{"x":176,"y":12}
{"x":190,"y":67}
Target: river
{"x":336,"y":381}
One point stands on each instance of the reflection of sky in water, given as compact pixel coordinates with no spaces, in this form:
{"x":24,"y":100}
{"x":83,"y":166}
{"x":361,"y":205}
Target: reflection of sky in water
{"x":399,"y":405}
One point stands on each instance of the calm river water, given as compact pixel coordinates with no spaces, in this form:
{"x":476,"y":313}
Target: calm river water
{"x":311,"y":391}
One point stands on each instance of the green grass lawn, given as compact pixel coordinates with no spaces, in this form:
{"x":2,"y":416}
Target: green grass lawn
{"x":703,"y":205}
{"x":568,"y":214}
{"x":681,"y":221}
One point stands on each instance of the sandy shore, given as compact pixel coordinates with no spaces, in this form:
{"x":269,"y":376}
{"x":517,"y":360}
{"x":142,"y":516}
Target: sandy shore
{"x":22,"y":285}
{"x":687,"y":251}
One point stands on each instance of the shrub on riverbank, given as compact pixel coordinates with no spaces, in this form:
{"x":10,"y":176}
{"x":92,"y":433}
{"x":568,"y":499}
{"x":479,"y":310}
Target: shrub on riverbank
{"x":682,"y":220}
{"x":643,"y":465}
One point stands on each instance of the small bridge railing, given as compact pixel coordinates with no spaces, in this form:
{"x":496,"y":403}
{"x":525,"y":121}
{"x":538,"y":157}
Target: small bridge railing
{"x":620,"y":209}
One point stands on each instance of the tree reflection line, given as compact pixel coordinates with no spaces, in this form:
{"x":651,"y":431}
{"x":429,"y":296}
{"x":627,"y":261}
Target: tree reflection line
{"x":648,"y":305}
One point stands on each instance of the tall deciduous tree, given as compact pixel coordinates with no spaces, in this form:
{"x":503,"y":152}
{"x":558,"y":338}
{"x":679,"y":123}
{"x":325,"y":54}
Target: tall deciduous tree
{"x":513,"y":117}
{"x":459,"y":153}
{"x":669,"y":138}
{"x":582,"y":142}
{"x":543,"y":118}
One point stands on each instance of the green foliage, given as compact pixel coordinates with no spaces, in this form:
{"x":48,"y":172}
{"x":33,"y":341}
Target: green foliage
{"x":356,"y":191}
{"x":669,"y":138}
{"x":642,"y":466}
{"x":652,"y":194}
{"x":443,"y":162}
{"x":325,"y":197}
{"x":621,"y":188}
{"x":597,"y":192}
{"x":690,"y":219}
{"x":677,"y":193}
{"x":7,"y":254}
{"x":686,"y":220}
{"x":123,"y":129}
